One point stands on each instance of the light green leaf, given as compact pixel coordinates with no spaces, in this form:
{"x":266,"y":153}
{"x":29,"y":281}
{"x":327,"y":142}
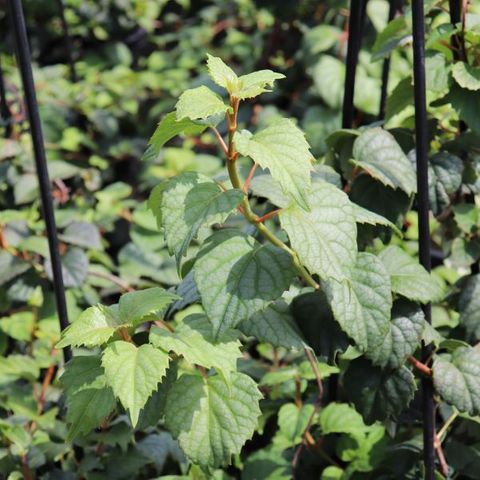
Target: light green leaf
{"x":466,"y":75}
{"x":362,"y":215}
{"x":134,"y":306}
{"x":408,"y":324}
{"x":193,"y":340}
{"x":467,"y":217}
{"x":263,"y":185}
{"x":18,"y":325}
{"x":458,"y":380}
{"x":212,"y":418}
{"x":281,"y":147}
{"x":221,"y":73}
{"x":341,"y":418}
{"x":274,"y":325}
{"x":133,"y":373}
{"x":409,"y":278}
{"x":255,"y":83}
{"x":188,"y":202}
{"x":170,"y":127}
{"x":328,"y":76}
{"x":236,"y":276}
{"x":362,"y":306}
{"x":326,"y":237}
{"x":199,"y":104}
{"x":378,"y":394}
{"x":292,"y":422}
{"x":378,"y":153}
{"x":95,"y":326}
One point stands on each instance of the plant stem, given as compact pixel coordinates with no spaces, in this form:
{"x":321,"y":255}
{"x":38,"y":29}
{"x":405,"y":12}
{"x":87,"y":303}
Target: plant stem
{"x":267,"y":216}
{"x":249,"y":178}
{"x":232,"y":156}
{"x":446,"y":425}
{"x":421,"y":367}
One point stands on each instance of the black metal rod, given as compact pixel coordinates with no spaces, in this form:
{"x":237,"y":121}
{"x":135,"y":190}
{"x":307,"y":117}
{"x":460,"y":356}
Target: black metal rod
{"x":393,"y":9}
{"x":355,"y":31}
{"x":5,"y":114}
{"x":68,"y":41}
{"x":428,"y":405}
{"x":24,"y":62}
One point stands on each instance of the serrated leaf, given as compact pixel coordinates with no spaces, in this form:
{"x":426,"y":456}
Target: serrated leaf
{"x":170,"y":127}
{"x":362,"y":215}
{"x":199,"y":104}
{"x":82,"y":372}
{"x":236,"y":276}
{"x":274,"y":325}
{"x":292,"y":422}
{"x":95,"y":326}
{"x":133,"y":373}
{"x":212,"y":418}
{"x":255,"y":83}
{"x":193,"y":340}
{"x":466,"y":75}
{"x":409,"y":278}
{"x":134,"y":306}
{"x":362,"y":306}
{"x":378,"y":394}
{"x":188,"y":202}
{"x":458,"y":380}
{"x":469,"y":306}
{"x":378,"y":153}
{"x":325,"y":237}
{"x":221,"y":73}
{"x":281,"y":148}
{"x":408,"y":324}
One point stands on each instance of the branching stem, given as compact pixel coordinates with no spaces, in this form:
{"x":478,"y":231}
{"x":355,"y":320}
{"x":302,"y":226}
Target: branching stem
{"x":421,"y":367}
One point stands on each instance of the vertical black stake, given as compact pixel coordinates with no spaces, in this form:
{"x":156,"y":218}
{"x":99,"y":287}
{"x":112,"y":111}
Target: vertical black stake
{"x":394,"y":8}
{"x":5,"y":115}
{"x":68,"y":41}
{"x":355,"y":31}
{"x":428,"y":405}
{"x":24,"y":62}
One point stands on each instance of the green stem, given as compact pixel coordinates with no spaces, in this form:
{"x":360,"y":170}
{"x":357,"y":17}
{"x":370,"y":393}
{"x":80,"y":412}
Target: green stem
{"x":446,"y":425}
{"x":232,"y":156}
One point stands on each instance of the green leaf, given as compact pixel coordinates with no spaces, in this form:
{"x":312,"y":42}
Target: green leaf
{"x":18,"y":325}
{"x":378,"y":394}
{"x":282,"y":148}
{"x":212,"y":418}
{"x":408,"y":324}
{"x":362,"y":215}
{"x":134,"y":306}
{"x":83,"y":234}
{"x":467,"y":104}
{"x":199,"y":104}
{"x":170,"y":127}
{"x":466,"y":75}
{"x":193,"y":340}
{"x":263,"y":185}
{"x":133,"y":373}
{"x":467,"y":217}
{"x":325,"y":237}
{"x":362,"y":306}
{"x":409,"y":278}
{"x":74,"y":267}
{"x":188,"y":202}
{"x":221,"y":73}
{"x":469,"y":306}
{"x":236,"y":276}
{"x":255,"y":83}
{"x":274,"y":325}
{"x":395,"y":34}
{"x":378,"y":153}
{"x":400,"y":98}
{"x":341,"y":418}
{"x":82,"y":372}
{"x":292,"y":422}
{"x":95,"y":326}
{"x":328,"y":79}
{"x":458,"y":380}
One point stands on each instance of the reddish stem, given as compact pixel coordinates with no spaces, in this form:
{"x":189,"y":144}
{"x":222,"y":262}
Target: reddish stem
{"x":267,"y":216}
{"x":421,"y":367}
{"x":249,"y":178}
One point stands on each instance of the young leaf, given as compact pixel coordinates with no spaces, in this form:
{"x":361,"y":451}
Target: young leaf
{"x":134,"y":306}
{"x":274,"y":325}
{"x":281,"y":147}
{"x":236,"y":276}
{"x":188,"y":202}
{"x":221,"y":73}
{"x":199,"y":104}
{"x":133,"y":373}
{"x":409,"y":278}
{"x":408,"y":324}
{"x":193,"y":340}
{"x":378,"y":153}
{"x":170,"y":127}
{"x":341,"y":418}
{"x":212,"y":418}
{"x":292,"y":422}
{"x":378,"y":394}
{"x":326,"y":237}
{"x":362,"y":306}
{"x":256,"y":83}
{"x":95,"y":326}
{"x":458,"y":380}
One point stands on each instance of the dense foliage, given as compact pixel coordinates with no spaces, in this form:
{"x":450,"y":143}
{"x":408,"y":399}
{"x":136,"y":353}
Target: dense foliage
{"x":243,"y":289}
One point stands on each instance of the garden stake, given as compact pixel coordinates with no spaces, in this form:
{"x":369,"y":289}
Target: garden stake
{"x":428,"y":405}
{"x":68,"y":41}
{"x":24,"y":63}
{"x":5,"y":116}
{"x":355,"y":31}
